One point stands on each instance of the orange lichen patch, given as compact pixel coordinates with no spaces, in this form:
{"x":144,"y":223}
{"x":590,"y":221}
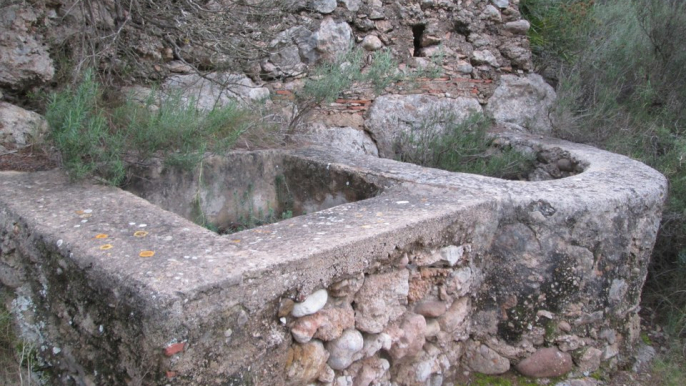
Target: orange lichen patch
{"x":101,"y":236}
{"x":236,"y":241}
{"x":106,"y":247}
{"x":84,"y":213}
{"x":147,"y":254}
{"x":140,"y":234}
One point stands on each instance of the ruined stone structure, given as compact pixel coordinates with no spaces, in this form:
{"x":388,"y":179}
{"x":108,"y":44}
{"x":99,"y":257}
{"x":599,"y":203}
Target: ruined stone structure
{"x":430,"y":274}
{"x":390,"y":274}
{"x":472,"y":42}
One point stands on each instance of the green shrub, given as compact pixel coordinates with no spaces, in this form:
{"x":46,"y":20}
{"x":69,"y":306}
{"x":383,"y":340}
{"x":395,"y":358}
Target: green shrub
{"x":331,"y":78}
{"x":443,"y":142}
{"x":81,"y":132}
{"x":356,"y":67}
{"x":557,"y":26}
{"x":99,"y":140}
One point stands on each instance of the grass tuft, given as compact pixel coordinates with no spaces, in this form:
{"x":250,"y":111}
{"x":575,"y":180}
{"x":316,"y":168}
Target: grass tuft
{"x":17,"y":359}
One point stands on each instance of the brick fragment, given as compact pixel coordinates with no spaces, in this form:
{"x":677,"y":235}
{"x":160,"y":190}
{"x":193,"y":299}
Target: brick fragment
{"x":174,"y":348}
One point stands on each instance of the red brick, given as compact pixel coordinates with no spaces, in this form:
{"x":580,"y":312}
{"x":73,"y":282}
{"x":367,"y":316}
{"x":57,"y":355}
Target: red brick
{"x":174,"y":348}
{"x":361,"y":101}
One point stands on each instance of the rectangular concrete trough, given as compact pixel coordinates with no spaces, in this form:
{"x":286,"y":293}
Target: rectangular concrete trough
{"x":388,"y":272}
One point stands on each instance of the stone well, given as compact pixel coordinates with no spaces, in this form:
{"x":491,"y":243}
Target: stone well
{"x":407,"y":276}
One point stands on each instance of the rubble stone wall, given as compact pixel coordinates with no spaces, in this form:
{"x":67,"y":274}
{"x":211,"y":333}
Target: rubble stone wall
{"x":472,"y":42}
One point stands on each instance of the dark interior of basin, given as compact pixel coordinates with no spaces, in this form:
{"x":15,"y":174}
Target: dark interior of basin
{"x":554,"y":163}
{"x":243,"y":190}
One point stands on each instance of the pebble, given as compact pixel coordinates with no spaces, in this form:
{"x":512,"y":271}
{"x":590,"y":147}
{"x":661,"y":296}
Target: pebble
{"x":341,"y":350}
{"x":518,"y":27}
{"x":371,"y":43}
{"x":482,"y":359}
{"x":452,"y":254}
{"x":431,"y":308}
{"x":304,"y":328}
{"x":373,"y":343}
{"x":565,"y":165}
{"x":306,"y":362}
{"x":589,"y":361}
{"x":285,"y":307}
{"x":312,"y":304}
{"x":546,"y":363}
{"x":412,"y":339}
{"x":456,"y":316}
{"x":564,"y":326}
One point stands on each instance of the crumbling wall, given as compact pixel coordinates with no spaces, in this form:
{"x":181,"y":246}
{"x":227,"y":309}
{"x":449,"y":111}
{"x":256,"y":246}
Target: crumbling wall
{"x":262,"y":49}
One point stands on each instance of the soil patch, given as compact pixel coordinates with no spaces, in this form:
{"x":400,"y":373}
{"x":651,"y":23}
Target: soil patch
{"x":28,"y":159}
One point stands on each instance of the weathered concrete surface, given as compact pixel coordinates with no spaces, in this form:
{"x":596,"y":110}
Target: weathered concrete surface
{"x":204,"y":308}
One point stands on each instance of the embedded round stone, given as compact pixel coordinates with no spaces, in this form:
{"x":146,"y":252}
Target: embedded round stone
{"x":371,"y":43}
{"x":305,"y":362}
{"x":312,"y":304}
{"x":546,"y":363}
{"x":341,"y":350}
{"x":430,"y":308}
{"x":484,"y":360}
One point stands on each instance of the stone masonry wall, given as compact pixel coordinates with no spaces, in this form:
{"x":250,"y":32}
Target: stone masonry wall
{"x":477,"y":39}
{"x":441,"y":274}
{"x":473,"y":42}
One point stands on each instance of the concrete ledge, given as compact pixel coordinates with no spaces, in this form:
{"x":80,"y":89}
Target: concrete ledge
{"x":550,"y":263}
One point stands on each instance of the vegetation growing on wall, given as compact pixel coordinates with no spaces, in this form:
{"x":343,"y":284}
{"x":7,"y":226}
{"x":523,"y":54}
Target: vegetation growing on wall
{"x":17,"y":358}
{"x":622,"y":86}
{"x":99,"y":137}
{"x":329,"y":79}
{"x":444,"y":142}
{"x":95,"y":139}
